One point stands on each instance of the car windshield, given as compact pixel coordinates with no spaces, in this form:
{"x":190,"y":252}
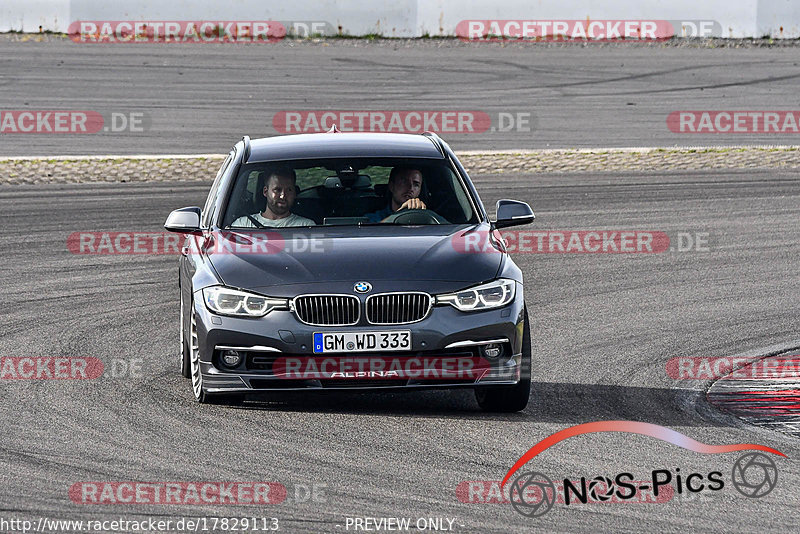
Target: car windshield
{"x":337,"y":192}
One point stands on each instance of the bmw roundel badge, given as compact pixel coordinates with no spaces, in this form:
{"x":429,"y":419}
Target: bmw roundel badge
{"x":362,"y":287}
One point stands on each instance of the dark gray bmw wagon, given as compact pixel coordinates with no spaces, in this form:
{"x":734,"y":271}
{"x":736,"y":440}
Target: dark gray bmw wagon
{"x":350,"y":261}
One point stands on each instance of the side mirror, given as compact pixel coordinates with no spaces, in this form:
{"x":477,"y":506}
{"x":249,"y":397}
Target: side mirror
{"x":513,"y":213}
{"x":184,"y":221}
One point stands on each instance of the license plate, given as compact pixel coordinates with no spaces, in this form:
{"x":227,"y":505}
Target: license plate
{"x":329,"y":342}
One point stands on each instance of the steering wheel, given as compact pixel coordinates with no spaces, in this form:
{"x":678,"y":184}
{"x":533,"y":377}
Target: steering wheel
{"x":415,"y":217}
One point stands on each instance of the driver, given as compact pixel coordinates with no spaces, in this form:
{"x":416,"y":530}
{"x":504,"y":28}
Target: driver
{"x":280,"y":189}
{"x":405,"y":185}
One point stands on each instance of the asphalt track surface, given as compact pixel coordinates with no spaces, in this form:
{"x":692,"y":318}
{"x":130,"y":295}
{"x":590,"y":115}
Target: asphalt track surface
{"x":203,"y":98}
{"x":603,"y":328}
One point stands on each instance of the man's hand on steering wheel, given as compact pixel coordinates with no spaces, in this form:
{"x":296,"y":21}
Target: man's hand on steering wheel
{"x":416,"y":216}
{"x":412,"y":204}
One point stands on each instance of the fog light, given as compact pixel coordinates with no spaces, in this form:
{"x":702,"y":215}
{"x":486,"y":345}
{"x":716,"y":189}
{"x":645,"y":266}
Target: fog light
{"x":492,"y":350}
{"x":231,"y":358}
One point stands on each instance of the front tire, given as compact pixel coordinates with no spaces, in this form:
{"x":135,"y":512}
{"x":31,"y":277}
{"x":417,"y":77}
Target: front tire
{"x":196,"y":375}
{"x":186,"y":356}
{"x":194,"y":357}
{"x":509,"y":399}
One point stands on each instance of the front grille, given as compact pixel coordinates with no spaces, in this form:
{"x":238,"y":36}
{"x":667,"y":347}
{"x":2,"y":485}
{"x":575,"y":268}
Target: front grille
{"x":327,"y":310}
{"x":397,"y":308}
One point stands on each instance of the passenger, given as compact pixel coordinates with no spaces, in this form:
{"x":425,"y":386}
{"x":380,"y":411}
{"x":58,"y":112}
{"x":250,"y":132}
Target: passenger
{"x":280,"y":190}
{"x":405,"y":185}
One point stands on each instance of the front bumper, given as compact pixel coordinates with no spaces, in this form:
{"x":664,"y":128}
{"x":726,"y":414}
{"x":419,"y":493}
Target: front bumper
{"x":279,"y":352}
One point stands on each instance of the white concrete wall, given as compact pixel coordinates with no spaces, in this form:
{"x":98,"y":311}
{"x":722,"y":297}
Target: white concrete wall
{"x":28,"y":15}
{"x":410,"y":18}
{"x":778,"y":18}
{"x":392,"y":18}
{"x":736,"y":17}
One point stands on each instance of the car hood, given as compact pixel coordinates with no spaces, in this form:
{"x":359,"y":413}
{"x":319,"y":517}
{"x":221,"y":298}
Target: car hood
{"x":331,"y":256}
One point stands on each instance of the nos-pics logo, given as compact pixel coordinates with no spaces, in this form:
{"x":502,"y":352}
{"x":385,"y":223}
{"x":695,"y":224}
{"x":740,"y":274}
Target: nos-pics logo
{"x":533,"y":494}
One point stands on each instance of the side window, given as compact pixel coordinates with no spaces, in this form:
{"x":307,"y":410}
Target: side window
{"x":252,"y":184}
{"x":461,"y":196}
{"x":311,"y":177}
{"x":378,"y":175}
{"x":208,"y":209}
{"x":251,"y":200}
{"x":245,"y":198}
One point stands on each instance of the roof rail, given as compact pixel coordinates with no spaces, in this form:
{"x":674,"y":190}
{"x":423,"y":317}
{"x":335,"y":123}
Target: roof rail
{"x":436,"y":140}
{"x":246,"y":141}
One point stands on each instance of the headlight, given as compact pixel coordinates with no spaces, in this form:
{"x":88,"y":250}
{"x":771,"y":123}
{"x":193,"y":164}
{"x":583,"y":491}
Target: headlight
{"x":226,"y":301}
{"x":483,"y":297}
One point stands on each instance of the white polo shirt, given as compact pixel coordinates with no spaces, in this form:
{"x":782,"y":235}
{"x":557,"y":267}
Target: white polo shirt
{"x":292,"y":220}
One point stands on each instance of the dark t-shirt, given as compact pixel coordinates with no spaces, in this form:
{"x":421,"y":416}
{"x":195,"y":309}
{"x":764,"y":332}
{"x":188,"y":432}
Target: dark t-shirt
{"x":378,"y":216}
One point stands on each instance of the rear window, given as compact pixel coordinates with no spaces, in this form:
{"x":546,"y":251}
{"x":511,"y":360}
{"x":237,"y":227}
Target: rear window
{"x":345,"y":192}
